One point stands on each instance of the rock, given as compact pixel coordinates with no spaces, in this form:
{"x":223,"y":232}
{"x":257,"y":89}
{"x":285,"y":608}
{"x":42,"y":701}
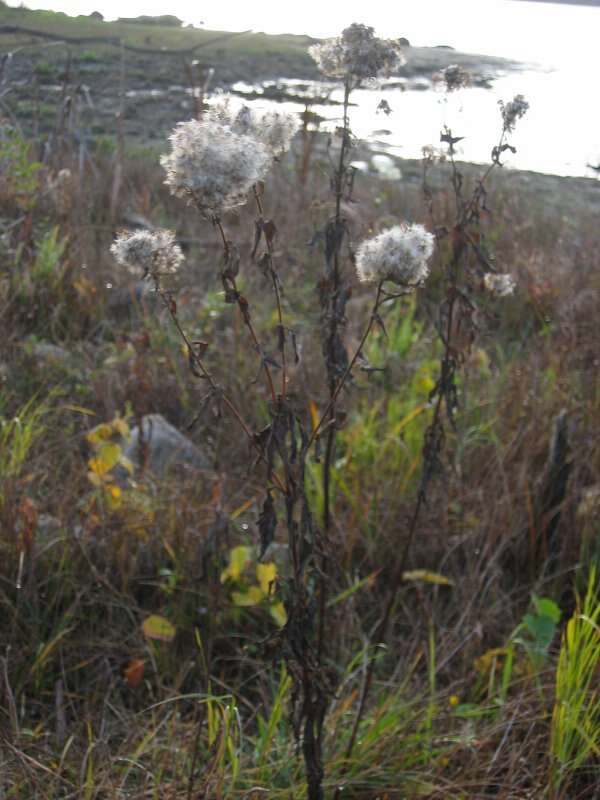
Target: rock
{"x":167,"y":449}
{"x":49,"y":353}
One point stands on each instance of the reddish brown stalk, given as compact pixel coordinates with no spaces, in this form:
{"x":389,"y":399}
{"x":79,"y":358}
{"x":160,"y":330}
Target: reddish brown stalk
{"x":273,"y":274}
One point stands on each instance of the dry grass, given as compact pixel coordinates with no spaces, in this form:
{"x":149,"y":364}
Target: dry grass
{"x":74,"y":720}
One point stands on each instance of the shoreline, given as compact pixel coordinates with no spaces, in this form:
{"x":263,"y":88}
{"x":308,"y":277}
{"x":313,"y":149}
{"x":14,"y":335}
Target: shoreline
{"x":159,"y":63}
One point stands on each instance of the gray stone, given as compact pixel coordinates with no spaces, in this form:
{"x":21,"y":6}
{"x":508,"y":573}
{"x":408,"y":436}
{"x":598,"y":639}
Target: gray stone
{"x":167,"y":449}
{"x":50,"y":353}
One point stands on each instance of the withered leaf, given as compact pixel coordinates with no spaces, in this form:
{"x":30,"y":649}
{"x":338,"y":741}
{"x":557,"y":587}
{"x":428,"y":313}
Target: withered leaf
{"x":294,"y":346}
{"x":281,"y":338}
{"x":449,"y":139}
{"x":379,"y":321}
{"x":232,"y":262}
{"x":267,"y":522}
{"x":269,"y":230}
{"x":134,"y":672}
{"x":258,"y":227}
{"x":200,"y":347}
{"x":334,"y":236}
{"x":264,"y":262}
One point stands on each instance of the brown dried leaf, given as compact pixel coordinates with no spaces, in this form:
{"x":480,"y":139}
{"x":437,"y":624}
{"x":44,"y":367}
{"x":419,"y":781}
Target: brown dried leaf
{"x":134,"y":672}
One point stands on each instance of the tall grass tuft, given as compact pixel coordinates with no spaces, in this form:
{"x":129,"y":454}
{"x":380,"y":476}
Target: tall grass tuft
{"x":575,"y":727}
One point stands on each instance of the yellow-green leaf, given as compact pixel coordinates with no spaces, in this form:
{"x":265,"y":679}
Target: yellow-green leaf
{"x":121,"y":427}
{"x":239,"y":558}
{"x":277,"y":611}
{"x":113,"y":496}
{"x":99,"y":434}
{"x":155,"y":627}
{"x":266,"y":574}
{"x":427,"y":576}
{"x":107,"y":457}
{"x":251,"y":597}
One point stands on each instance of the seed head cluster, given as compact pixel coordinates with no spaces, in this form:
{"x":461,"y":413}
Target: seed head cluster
{"x":213,"y":166}
{"x":357,"y":53}
{"x":399,"y":254}
{"x":455,"y":77}
{"x":274,"y":129}
{"x":154,"y":253}
{"x":513,"y":111}
{"x":501,"y":285}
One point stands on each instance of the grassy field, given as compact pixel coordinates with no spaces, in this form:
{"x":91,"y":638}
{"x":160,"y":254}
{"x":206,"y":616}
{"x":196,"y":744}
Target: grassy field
{"x":145,"y":35}
{"x":144,"y":650}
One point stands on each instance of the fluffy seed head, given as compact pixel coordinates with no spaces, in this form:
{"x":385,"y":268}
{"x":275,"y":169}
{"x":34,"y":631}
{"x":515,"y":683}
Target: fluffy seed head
{"x":513,"y":111}
{"x":212,"y":165}
{"x":155,"y":253}
{"x":501,"y":285}
{"x":399,"y":254}
{"x":357,"y":53}
{"x":274,"y":129}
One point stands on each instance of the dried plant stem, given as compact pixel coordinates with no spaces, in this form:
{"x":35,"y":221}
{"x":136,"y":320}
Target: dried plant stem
{"x":333,"y":321}
{"x":277,"y":292}
{"x":350,"y":367}
{"x":330,"y":355}
{"x":205,"y":374}
{"x":243,"y":307}
{"x":446,"y":369}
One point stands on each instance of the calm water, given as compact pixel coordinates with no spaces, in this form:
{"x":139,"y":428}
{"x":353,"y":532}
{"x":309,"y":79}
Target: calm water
{"x":558,"y":45}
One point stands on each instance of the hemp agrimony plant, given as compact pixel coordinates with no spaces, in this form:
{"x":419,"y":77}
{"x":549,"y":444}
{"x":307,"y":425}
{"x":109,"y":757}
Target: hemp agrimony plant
{"x":216,"y":163}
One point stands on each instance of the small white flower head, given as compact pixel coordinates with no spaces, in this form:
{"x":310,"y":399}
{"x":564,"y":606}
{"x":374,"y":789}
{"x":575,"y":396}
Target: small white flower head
{"x":433,"y":155}
{"x":455,"y":77}
{"x":154,"y":253}
{"x":513,"y":111}
{"x":62,"y":191}
{"x":399,"y":254}
{"x":274,"y":129}
{"x":500,"y":285}
{"x":357,"y":53}
{"x":213,"y":166}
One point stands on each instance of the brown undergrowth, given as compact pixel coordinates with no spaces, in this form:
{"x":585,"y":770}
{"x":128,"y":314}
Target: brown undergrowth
{"x":92,"y":706}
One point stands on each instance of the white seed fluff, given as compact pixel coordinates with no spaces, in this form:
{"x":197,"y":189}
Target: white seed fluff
{"x":357,"y":53}
{"x":274,"y":129}
{"x":212,"y":165}
{"x":399,"y":254}
{"x":155,"y":253}
{"x":501,"y":285}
